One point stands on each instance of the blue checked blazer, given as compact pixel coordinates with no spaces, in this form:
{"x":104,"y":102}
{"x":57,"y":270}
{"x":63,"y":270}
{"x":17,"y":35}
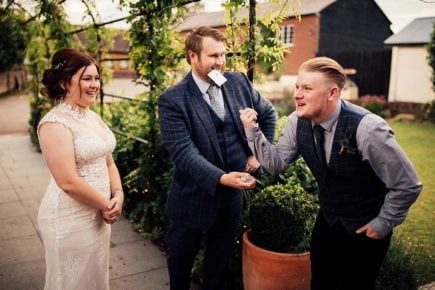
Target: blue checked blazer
{"x":189,"y":135}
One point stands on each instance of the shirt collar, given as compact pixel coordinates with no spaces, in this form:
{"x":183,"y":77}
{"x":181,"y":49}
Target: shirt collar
{"x":202,"y":85}
{"x":329,"y":122}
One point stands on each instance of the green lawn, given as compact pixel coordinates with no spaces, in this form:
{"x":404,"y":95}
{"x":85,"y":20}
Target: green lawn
{"x":417,"y":232}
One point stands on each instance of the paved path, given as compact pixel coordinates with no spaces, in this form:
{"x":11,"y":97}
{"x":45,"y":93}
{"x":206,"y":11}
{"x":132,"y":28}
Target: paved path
{"x":135,"y":263}
{"x":14,"y":114}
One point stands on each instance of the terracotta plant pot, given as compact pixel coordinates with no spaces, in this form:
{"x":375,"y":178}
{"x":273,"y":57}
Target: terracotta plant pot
{"x":267,"y":270}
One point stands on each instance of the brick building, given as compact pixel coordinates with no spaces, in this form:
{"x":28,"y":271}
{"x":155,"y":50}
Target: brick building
{"x":350,"y":31}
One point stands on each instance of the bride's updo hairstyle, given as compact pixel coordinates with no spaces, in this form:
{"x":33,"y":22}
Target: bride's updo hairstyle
{"x":64,"y":64}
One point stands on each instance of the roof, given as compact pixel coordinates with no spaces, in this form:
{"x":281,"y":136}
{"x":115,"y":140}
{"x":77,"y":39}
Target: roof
{"x":120,"y":44}
{"x":417,"y":32}
{"x":216,"y":19}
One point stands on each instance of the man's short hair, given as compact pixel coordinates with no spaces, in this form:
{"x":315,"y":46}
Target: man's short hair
{"x":194,"y":39}
{"x":329,"y":67}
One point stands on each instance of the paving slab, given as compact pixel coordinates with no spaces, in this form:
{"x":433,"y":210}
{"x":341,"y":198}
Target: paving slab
{"x":14,"y":114}
{"x":35,"y":192}
{"x":4,"y":182}
{"x":21,"y":249}
{"x":3,"y":176}
{"x":122,"y":232}
{"x":8,"y":194}
{"x":11,"y":209}
{"x":28,"y":171}
{"x":29,"y":181}
{"x":15,"y":227}
{"x":151,"y":280}
{"x":31,"y":207}
{"x":135,"y":257}
{"x":26,"y":275}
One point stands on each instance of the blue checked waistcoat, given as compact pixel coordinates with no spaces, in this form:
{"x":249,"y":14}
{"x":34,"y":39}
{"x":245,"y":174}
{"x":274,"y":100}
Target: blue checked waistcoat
{"x":349,"y":190}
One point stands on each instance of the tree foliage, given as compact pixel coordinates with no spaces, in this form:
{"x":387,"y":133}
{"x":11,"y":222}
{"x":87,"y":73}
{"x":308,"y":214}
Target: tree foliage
{"x":264,"y":45}
{"x":13,"y":37}
{"x":431,"y":55}
{"x":156,"y":51}
{"x":46,"y":36}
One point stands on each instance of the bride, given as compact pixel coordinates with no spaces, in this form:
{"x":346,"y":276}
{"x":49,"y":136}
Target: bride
{"x":85,"y":193}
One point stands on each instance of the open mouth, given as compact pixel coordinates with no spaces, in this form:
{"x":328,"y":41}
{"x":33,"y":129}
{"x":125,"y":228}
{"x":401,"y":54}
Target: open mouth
{"x":300,"y":105}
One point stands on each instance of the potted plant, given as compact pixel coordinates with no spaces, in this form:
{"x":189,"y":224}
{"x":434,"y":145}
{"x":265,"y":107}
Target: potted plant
{"x":276,"y":248}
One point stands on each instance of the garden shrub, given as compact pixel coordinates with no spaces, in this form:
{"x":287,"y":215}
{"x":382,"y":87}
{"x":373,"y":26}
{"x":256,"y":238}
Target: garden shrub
{"x":281,"y":218}
{"x":144,"y":166}
{"x":39,"y":106}
{"x":430,"y":112}
{"x":286,"y":105}
{"x":375,"y":104}
{"x":297,"y":174}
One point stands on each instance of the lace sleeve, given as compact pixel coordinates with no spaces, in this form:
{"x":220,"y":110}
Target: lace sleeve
{"x":53,"y":117}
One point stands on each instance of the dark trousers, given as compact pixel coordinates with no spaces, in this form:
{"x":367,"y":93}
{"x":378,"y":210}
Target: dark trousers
{"x":184,"y":243}
{"x":341,"y":260}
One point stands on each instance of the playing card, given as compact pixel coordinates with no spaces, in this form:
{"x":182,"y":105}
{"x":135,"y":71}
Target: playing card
{"x":217,"y":77}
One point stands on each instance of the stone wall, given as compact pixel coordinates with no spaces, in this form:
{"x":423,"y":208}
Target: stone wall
{"x":13,"y":80}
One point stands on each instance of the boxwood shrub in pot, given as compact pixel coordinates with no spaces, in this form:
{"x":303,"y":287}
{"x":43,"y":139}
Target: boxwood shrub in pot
{"x":281,"y":218}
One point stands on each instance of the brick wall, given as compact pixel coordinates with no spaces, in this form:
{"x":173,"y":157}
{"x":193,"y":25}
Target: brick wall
{"x":306,"y":39}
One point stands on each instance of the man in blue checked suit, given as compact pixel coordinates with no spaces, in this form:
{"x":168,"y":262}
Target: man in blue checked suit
{"x":211,"y":158}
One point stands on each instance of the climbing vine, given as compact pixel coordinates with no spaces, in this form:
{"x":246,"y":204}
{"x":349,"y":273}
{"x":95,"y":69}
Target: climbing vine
{"x":156,"y":51}
{"x":47,"y":35}
{"x":263,"y":45}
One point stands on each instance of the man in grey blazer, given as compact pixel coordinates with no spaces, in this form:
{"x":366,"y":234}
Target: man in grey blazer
{"x":211,"y":158}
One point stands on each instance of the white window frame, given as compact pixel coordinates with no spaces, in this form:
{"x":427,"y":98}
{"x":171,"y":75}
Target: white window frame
{"x":123,"y":64}
{"x":109,"y":63}
{"x":288,"y":34}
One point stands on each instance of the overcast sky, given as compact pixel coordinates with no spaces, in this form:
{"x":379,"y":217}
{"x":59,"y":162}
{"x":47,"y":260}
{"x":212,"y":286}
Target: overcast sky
{"x":399,"y":12}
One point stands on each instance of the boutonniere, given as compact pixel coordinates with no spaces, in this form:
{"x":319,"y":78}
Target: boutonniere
{"x":344,"y":139}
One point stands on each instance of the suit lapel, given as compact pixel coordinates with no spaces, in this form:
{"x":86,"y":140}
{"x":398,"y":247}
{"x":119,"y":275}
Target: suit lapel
{"x":234,"y":105}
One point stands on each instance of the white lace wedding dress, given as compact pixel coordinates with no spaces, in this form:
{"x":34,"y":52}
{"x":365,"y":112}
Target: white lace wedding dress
{"x":75,"y":236}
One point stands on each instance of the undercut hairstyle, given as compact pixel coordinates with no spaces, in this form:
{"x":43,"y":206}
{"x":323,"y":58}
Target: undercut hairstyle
{"x":329,"y":67}
{"x":64,"y":64}
{"x":194,"y":39}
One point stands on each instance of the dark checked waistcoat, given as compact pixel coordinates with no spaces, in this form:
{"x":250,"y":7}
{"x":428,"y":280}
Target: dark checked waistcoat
{"x":349,"y":190}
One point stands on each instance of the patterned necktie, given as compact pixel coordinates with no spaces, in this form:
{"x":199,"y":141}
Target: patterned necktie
{"x":216,"y":103}
{"x":320,"y":147}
